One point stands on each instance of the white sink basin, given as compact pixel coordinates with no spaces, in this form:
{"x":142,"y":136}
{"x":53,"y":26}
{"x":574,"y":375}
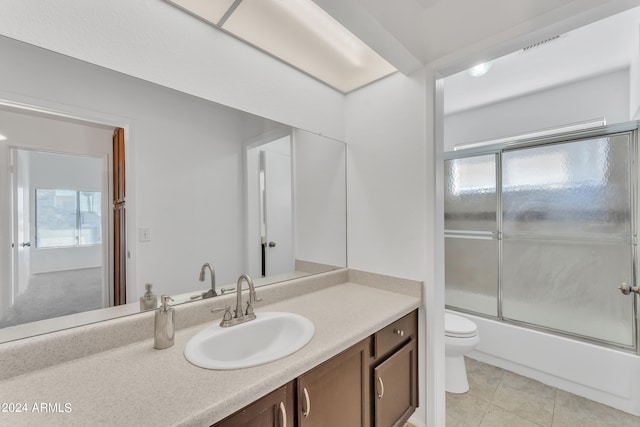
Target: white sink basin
{"x":269,"y":337}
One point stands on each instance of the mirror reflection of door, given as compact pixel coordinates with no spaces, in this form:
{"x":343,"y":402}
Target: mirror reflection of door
{"x":56,"y":230}
{"x":21,"y":244}
{"x":273,"y":191}
{"x":277,"y":238}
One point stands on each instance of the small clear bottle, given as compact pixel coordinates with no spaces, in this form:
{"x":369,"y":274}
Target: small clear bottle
{"x":149,"y":301}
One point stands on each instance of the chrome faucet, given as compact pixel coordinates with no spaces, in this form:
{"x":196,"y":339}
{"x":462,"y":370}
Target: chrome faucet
{"x":241,"y":315}
{"x":211,"y":292}
{"x":252,"y":298}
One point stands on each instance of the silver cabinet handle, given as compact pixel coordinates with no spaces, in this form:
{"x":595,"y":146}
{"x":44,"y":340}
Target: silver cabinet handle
{"x":306,"y":410}
{"x":381,"y":388}
{"x":398,"y":332}
{"x":283,"y":413}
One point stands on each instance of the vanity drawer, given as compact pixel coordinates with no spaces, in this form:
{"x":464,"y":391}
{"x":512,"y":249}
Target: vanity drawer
{"x":395,"y":335}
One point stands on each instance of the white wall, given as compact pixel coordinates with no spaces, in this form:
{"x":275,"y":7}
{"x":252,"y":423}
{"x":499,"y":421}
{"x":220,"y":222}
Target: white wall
{"x":634,"y":78}
{"x":386,"y":177}
{"x":391,"y":160}
{"x":605,"y":95}
{"x":154,"y":41}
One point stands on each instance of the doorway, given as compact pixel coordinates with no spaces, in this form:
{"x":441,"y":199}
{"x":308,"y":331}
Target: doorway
{"x":59,"y":228}
{"x":270,"y":190}
{"x":57,"y":222}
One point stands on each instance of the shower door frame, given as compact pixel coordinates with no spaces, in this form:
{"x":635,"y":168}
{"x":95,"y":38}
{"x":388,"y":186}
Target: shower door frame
{"x":629,"y":128}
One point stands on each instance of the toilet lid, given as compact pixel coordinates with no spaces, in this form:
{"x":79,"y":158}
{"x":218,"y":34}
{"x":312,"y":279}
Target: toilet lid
{"x":458,"y":326}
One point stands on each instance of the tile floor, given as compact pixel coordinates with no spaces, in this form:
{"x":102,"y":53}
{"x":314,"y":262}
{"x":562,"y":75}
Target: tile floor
{"x":499,"y":398}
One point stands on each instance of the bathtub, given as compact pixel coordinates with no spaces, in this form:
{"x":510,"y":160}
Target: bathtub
{"x":597,"y":373}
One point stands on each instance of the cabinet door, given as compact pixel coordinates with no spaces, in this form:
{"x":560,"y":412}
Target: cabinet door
{"x":273,"y":410}
{"x":395,"y":387}
{"x":336,"y":392}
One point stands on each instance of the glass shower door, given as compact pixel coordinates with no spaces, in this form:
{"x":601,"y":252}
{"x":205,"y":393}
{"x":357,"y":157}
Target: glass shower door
{"x":568,"y":237}
{"x":471,"y":243}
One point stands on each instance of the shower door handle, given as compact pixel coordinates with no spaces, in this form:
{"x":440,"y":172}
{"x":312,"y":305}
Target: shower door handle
{"x":627,"y":289}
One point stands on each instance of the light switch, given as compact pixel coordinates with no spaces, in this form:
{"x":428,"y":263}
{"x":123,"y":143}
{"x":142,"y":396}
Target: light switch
{"x":144,"y":234}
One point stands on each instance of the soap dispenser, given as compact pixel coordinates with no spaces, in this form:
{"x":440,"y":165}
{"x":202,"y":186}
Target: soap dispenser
{"x":148,"y":301}
{"x":165,"y":327}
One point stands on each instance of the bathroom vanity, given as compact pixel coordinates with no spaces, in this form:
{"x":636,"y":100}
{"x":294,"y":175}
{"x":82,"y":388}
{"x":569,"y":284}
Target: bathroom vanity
{"x":360,"y":365}
{"x":373,"y":383}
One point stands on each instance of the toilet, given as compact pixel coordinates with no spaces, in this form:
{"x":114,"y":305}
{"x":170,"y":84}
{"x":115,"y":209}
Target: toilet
{"x":460,"y":337}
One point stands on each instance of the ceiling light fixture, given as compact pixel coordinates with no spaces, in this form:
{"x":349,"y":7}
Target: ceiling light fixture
{"x":316,"y":20}
{"x":3,"y":138}
{"x":480,"y":69}
{"x":299,"y":33}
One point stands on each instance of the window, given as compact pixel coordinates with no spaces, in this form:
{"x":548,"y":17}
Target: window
{"x":560,"y":166}
{"x":68,"y":218}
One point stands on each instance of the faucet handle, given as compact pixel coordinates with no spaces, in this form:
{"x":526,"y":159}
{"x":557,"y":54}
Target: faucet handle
{"x":227,"y":312}
{"x":252,"y":298}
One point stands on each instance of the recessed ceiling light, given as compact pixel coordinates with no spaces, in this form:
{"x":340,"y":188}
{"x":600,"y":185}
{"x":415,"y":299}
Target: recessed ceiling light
{"x":480,"y":69}
{"x":2,"y":137}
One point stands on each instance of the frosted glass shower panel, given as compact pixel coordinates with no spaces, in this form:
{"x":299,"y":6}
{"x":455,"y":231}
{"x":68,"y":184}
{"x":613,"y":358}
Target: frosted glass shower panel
{"x":569,"y":287}
{"x":574,"y":188}
{"x":470,"y":200}
{"x":471,"y":274}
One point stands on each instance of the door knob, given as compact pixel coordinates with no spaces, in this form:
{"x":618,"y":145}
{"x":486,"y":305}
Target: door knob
{"x":627,"y":289}
{"x":25,"y":244}
{"x":272,"y":244}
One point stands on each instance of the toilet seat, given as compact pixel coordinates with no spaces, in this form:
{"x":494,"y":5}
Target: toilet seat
{"x":459,"y":327}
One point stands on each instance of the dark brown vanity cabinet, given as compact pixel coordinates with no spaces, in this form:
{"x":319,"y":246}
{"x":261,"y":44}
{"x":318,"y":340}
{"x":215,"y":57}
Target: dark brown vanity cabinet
{"x":336,"y":393}
{"x":276,"y":409}
{"x":373,"y":383}
{"x":395,"y":372}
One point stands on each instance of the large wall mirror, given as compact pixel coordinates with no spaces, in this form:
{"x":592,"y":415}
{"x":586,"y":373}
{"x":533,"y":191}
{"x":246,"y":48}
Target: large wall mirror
{"x":203,"y":184}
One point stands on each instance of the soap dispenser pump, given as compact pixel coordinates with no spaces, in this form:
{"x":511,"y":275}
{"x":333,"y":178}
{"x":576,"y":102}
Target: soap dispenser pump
{"x":165,"y":327}
{"x":149,"y":300}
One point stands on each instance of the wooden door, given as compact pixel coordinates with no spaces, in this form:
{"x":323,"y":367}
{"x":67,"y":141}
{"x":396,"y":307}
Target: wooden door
{"x":395,"y":387}
{"x":273,"y":410}
{"x":119,"y":220}
{"x":336,"y":393}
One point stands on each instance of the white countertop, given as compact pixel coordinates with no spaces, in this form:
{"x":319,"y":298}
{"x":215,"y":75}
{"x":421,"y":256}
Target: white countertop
{"x":138,"y":385}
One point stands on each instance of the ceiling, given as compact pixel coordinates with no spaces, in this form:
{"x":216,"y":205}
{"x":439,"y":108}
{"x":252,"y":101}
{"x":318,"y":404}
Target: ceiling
{"x":597,"y":48}
{"x":379,"y":36}
{"x":451,"y":35}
